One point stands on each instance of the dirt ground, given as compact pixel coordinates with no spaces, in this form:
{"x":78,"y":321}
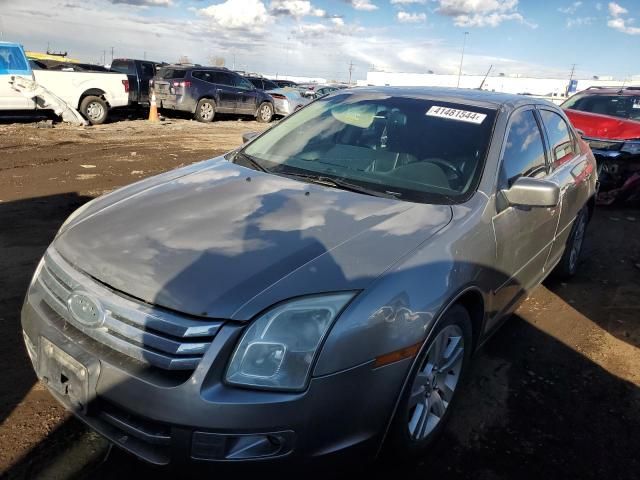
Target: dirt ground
{"x":554,"y":394}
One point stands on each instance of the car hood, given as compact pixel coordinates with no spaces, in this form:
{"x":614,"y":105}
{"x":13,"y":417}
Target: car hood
{"x":224,"y":241}
{"x":598,"y":126}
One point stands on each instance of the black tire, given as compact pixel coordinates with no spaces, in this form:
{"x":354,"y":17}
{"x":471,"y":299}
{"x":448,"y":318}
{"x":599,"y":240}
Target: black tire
{"x":265,"y":112}
{"x":568,"y":265}
{"x":400,"y":443}
{"x":205,"y":110}
{"x":94,"y":109}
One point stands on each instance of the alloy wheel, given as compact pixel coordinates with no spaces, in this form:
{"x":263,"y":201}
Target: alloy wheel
{"x":435,"y":383}
{"x":206,"y":111}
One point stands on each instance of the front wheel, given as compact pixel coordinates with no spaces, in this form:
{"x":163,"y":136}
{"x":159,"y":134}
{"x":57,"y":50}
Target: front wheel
{"x":94,"y":109}
{"x":265,"y":113}
{"x":432,"y":386}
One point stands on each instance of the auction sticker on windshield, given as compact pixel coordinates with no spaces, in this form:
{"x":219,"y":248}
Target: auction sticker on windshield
{"x":455,"y":114}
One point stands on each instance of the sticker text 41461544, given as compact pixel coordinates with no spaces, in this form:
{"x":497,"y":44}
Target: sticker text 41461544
{"x":455,"y":114}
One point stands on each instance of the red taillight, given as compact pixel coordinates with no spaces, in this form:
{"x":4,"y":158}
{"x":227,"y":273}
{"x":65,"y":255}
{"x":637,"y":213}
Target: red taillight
{"x":183,"y":84}
{"x":278,"y":96}
{"x":125,"y":83}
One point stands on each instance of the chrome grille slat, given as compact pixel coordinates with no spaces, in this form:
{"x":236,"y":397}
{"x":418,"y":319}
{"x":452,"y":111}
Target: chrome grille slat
{"x":151,"y":336}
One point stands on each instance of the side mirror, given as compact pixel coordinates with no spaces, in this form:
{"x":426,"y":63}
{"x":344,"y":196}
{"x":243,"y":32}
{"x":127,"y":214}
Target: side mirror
{"x":248,"y":136}
{"x":532,"y":192}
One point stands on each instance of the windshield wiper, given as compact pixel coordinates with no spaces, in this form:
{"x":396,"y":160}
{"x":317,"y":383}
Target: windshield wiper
{"x":342,"y":184}
{"x":251,"y":161}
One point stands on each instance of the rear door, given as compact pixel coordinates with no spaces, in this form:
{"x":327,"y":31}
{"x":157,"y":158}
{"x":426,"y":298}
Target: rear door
{"x":228,"y":94}
{"x":571,"y":170}
{"x":248,"y":98}
{"x":13,"y":63}
{"x":523,"y":235}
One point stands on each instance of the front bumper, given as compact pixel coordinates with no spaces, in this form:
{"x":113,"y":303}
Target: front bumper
{"x":165,"y":417}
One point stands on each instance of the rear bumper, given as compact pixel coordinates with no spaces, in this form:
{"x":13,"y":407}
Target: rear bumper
{"x":183,"y":103}
{"x":164,"y":419}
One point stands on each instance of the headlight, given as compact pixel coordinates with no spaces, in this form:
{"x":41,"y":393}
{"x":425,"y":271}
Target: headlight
{"x":631,"y":147}
{"x":277,"y":350}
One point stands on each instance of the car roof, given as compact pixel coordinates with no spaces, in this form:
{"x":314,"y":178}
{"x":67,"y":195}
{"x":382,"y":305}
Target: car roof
{"x":480,"y":98}
{"x":196,"y":67}
{"x":611,"y":90}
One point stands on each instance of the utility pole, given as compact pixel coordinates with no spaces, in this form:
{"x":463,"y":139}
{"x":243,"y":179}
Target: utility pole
{"x":350,"y":70}
{"x":464,"y":44}
{"x":104,"y":57}
{"x":111,"y":54}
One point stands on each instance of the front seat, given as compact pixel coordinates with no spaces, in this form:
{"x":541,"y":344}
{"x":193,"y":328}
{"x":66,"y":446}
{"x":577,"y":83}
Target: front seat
{"x":422,"y":172}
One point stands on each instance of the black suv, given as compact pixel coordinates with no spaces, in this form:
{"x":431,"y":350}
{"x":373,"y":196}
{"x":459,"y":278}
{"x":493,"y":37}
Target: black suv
{"x":204,"y":91}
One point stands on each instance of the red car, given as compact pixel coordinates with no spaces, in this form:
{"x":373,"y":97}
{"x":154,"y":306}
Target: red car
{"x":609,"y":119}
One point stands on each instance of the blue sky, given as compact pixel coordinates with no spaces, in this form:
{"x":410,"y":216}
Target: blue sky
{"x":321,"y":37}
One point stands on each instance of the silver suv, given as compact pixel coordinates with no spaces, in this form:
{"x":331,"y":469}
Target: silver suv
{"x":320,"y":290}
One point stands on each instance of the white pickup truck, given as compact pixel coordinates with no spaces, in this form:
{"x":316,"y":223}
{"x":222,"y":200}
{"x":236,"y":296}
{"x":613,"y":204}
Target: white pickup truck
{"x":92,"y":94}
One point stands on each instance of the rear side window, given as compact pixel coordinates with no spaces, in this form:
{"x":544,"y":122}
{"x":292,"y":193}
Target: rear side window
{"x":147,"y":70}
{"x":171,"y":73}
{"x":123,"y":66}
{"x":203,"y":75}
{"x":524,"y":152}
{"x":560,"y":138}
{"x":12,"y":60}
{"x":256,"y":82}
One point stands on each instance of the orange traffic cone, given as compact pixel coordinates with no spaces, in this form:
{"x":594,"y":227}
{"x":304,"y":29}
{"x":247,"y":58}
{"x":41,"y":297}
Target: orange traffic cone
{"x":153,"y":108}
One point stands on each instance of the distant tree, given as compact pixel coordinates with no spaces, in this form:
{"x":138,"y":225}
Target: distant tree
{"x":184,"y":59}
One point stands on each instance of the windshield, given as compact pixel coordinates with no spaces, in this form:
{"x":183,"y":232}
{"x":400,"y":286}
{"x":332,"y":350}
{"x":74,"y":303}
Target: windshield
{"x":415,"y":150}
{"x":621,"y":106}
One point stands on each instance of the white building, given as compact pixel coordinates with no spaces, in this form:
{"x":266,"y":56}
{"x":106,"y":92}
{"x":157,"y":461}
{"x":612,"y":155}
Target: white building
{"x":548,"y":87}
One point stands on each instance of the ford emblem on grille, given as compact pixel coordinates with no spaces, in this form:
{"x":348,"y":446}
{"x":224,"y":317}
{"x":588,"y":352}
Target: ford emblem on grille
{"x":85,"y":310}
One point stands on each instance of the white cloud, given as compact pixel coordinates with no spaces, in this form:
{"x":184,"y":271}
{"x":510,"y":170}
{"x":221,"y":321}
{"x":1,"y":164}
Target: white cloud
{"x":406,"y":17}
{"x":144,"y":3}
{"x":364,"y":5}
{"x":618,"y":22}
{"x":622,"y":25}
{"x":616,"y":10}
{"x":295,"y":8}
{"x":579,"y":21}
{"x":481,"y":13}
{"x":408,"y":2}
{"x":237,"y":14}
{"x":571,"y":9}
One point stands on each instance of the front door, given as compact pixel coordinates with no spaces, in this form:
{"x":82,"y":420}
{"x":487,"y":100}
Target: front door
{"x":524,"y":235}
{"x":13,"y":63}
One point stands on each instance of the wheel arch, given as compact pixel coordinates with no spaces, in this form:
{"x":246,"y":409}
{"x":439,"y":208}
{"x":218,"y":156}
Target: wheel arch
{"x":95,"y":92}
{"x":472,"y":299}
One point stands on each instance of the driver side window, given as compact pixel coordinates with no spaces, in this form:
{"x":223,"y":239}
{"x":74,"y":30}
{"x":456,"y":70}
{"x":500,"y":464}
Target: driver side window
{"x":524,"y":154}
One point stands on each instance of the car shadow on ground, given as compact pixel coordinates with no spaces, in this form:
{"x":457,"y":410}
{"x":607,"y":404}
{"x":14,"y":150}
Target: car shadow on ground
{"x":28,"y":226}
{"x":606,"y":288}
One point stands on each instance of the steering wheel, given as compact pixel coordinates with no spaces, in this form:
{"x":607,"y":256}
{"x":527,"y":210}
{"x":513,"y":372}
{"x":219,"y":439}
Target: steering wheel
{"x":458,"y":175}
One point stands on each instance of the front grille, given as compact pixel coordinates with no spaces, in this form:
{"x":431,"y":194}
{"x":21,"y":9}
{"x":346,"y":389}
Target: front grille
{"x":148,"y":334}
